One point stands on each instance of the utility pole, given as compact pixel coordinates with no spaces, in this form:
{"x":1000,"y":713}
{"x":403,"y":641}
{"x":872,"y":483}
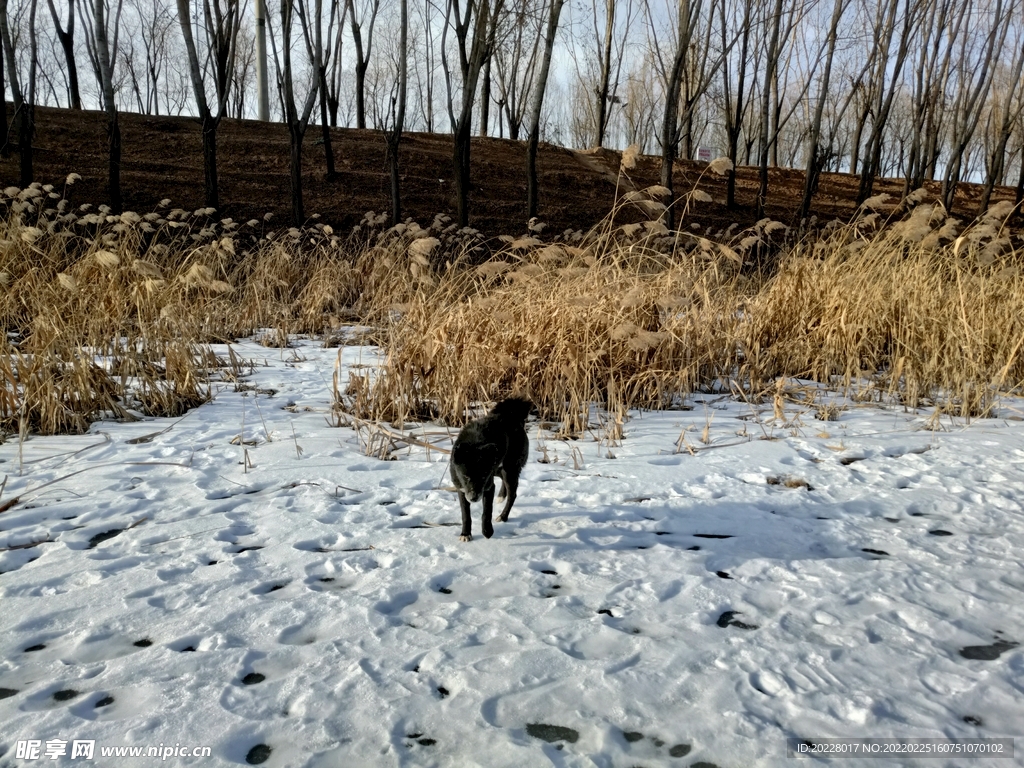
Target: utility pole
{"x":263,"y":95}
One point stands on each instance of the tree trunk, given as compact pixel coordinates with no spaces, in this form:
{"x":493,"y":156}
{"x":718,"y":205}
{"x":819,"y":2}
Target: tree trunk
{"x":67,"y":43}
{"x":114,"y":165}
{"x":884,"y":98}
{"x":107,"y":89}
{"x":997,"y":160}
{"x":471,"y":62}
{"x":394,"y":143}
{"x":362,"y":56}
{"x":209,"y":128}
{"x":606,"y":72}
{"x":26,"y":129}
{"x":1018,"y":196}
{"x":361,"y":94}
{"x":394,"y":137}
{"x":17,"y":94}
{"x":325,"y":129}
{"x":734,"y":119}
{"x":299,"y":122}
{"x":296,"y":134}
{"x":461,"y":157}
{"x":485,"y":98}
{"x":689,"y":12}
{"x":766,"y":103}
{"x":814,"y":164}
{"x":4,"y":152}
{"x":554,"y":12}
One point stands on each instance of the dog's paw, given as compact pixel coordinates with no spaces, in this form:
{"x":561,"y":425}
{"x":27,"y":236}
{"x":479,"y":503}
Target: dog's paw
{"x":488,"y":532}
{"x":466,"y":537}
{"x":503,"y":518}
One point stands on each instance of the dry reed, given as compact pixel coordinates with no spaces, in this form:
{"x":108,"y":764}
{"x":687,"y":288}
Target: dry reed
{"x":109,"y":316}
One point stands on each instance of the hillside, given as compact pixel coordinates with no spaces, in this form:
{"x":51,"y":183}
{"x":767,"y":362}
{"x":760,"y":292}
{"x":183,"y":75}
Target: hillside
{"x":162,"y":159}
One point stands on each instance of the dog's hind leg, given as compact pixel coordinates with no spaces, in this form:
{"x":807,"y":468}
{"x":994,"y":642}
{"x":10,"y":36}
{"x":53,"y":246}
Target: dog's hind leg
{"x":509,"y":486}
{"x":467,"y":519}
{"x":488,"y":529}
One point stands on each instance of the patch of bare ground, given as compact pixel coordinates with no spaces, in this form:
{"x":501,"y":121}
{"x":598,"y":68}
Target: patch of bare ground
{"x":162,"y":158}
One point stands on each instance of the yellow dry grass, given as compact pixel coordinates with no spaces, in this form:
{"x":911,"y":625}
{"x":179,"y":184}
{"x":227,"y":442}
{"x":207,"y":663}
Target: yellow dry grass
{"x":108,"y":314}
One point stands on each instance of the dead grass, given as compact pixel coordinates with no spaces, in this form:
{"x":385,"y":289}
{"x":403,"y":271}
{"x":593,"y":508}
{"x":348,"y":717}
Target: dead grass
{"x":111,"y":316}
{"x":920,"y":310}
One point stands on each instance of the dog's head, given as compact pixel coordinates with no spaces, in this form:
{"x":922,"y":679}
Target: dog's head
{"x":514,"y":409}
{"x":473,"y":468}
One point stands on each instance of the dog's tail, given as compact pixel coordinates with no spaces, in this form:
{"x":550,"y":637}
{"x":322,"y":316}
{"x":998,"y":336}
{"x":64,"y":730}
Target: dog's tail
{"x":514,"y":409}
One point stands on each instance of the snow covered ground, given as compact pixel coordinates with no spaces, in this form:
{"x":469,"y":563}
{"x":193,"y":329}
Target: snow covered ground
{"x":644,"y":605}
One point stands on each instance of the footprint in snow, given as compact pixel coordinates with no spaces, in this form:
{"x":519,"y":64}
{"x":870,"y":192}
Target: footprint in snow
{"x":987,"y":652}
{"x":297,"y":634}
{"x":258,"y":754}
{"x":104,"y":536}
{"x":552,"y":733}
{"x":676,"y":750}
{"x":420,"y":739}
{"x":239,"y":549}
{"x":268,"y":587}
{"x":397,"y":603}
{"x":728,"y":619}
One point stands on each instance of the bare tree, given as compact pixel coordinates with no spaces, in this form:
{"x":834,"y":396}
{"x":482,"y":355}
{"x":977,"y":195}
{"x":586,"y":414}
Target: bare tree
{"x":7,"y":44}
{"x":975,"y":68}
{"x":475,"y":26}
{"x":1006,"y":117}
{"x":772,"y":59}
{"x":221,"y":27}
{"x":24,"y":102}
{"x":148,"y":24}
{"x":640,"y":105}
{"x":554,"y":12}
{"x":103,"y":51}
{"x":884,"y":81}
{"x":815,"y":156}
{"x":930,"y":77}
{"x":331,"y":52}
{"x":398,"y":104}
{"x":4,"y":150}
{"x":425,"y":79}
{"x":244,"y":76}
{"x":735,"y":101}
{"x":1018,"y":196}
{"x":361,"y":23}
{"x":609,"y":81}
{"x":1005,"y":114}
{"x":86,"y":11}
{"x":67,"y":43}
{"x":515,"y":60}
{"x":298,"y":120}
{"x":155,"y":24}
{"x":687,"y":78}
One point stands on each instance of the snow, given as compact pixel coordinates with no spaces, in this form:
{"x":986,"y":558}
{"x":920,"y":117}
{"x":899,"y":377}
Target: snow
{"x":858,"y":558}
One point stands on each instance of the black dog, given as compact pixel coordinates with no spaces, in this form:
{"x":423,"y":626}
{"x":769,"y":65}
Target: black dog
{"x":496,"y":443}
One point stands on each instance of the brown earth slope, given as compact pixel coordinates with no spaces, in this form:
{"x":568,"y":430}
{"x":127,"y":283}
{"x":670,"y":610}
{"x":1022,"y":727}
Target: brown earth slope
{"x":162,"y":158}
